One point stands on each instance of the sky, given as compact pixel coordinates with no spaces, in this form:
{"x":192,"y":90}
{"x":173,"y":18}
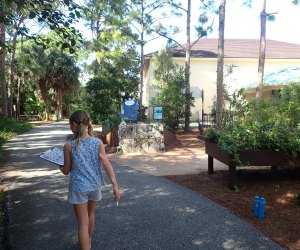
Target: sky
{"x":243,"y":22}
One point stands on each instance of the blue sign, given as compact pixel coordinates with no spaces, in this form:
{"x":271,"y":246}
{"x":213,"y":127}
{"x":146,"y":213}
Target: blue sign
{"x":130,"y":110}
{"x":157,"y":113}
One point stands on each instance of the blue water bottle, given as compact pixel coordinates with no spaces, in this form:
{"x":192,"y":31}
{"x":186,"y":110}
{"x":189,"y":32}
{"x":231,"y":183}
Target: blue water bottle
{"x":256,"y":206}
{"x":261,"y":210}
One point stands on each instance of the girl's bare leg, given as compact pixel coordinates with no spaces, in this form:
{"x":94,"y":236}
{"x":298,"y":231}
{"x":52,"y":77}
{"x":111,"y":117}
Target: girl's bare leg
{"x":91,"y":208}
{"x":81,"y":211}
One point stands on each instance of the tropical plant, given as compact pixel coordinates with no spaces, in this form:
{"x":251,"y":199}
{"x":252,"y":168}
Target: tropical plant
{"x":203,"y":28}
{"x":268,"y":124}
{"x":107,"y":22}
{"x":13,"y":14}
{"x":104,"y":91}
{"x":51,"y":73}
{"x":63,"y":74}
{"x":170,"y":90}
{"x":146,"y":19}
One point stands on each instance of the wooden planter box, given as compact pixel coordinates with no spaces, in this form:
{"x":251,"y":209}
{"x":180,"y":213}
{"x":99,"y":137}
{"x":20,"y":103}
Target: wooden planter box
{"x":112,"y":138}
{"x":248,"y":158}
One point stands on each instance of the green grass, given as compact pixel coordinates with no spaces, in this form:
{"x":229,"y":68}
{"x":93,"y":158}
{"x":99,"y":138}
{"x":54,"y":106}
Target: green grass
{"x":9,"y":128}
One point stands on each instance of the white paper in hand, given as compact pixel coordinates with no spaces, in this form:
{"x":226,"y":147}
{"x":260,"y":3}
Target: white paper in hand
{"x":54,"y":155}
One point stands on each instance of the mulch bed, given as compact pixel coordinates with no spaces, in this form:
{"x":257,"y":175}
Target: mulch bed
{"x":281,"y":191}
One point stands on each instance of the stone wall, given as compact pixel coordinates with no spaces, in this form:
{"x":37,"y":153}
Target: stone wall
{"x":141,"y":137}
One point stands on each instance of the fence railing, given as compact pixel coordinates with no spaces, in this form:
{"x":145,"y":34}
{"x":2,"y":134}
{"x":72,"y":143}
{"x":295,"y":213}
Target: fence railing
{"x":29,"y":118}
{"x":208,"y":120}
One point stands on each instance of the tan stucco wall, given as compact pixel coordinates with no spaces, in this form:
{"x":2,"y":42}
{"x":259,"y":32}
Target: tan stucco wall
{"x":204,"y":76}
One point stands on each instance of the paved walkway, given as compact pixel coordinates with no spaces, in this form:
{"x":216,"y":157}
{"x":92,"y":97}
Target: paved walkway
{"x":183,"y":161}
{"x":154,"y":213}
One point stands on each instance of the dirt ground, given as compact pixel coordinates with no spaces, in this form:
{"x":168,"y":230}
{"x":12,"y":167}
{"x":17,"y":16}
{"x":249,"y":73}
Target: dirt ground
{"x":281,"y":191}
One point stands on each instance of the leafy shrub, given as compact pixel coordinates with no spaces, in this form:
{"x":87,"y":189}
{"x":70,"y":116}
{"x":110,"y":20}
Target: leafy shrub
{"x":264,"y":124}
{"x":170,"y":90}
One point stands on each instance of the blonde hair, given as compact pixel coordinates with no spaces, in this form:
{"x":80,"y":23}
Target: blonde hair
{"x":81,"y":118}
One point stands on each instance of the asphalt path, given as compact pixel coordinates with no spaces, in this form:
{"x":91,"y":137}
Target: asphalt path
{"x":154,"y":213}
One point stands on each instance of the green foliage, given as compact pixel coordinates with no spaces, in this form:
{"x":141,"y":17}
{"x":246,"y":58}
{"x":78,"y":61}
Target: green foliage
{"x":267,"y":124}
{"x":60,"y":16}
{"x":47,"y":75}
{"x":115,"y":69}
{"x":212,"y":134}
{"x":236,"y":189}
{"x":112,"y":119}
{"x":31,"y":104}
{"x":9,"y":128}
{"x":111,"y":35}
{"x":207,"y":10}
{"x":143,"y":15}
{"x":69,"y":42}
{"x":78,"y":100}
{"x":170,"y":90}
{"x":100,"y":96}
{"x":62,"y":70}
{"x":103,"y":92}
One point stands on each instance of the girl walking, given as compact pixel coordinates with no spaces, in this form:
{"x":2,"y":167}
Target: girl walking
{"x":83,"y":157}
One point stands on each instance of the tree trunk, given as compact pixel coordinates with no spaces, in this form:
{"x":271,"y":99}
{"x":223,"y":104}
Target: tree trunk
{"x":18,"y":97}
{"x":68,"y":110}
{"x":12,"y":68}
{"x":141,"y":82}
{"x":59,"y":98}
{"x":140,"y":115}
{"x":46,"y":111}
{"x":44,"y":93}
{"x":220,"y":67}
{"x":2,"y":60}
{"x":262,"y":51}
{"x":10,"y":95}
{"x":187,"y":69}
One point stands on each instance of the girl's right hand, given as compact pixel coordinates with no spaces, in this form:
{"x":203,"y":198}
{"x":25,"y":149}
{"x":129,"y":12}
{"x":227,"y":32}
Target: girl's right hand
{"x":117,"y":193}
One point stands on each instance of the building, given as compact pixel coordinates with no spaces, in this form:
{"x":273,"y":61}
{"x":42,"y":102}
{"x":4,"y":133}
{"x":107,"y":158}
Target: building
{"x":273,"y":83}
{"x":240,"y":56}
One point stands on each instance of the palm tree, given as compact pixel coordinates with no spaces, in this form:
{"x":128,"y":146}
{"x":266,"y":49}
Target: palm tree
{"x":64,"y":76}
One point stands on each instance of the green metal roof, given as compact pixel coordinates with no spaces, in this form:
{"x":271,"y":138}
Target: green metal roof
{"x":281,"y":77}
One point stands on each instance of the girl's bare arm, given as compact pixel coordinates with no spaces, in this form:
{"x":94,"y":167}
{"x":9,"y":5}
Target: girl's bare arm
{"x":67,"y":159}
{"x":109,"y":170}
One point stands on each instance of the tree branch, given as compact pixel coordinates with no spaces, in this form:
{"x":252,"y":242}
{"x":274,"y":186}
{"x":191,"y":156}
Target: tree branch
{"x":208,"y":28}
{"x":169,"y":38}
{"x":156,"y":20}
{"x":177,"y":6}
{"x":137,"y":29}
{"x":154,"y":8}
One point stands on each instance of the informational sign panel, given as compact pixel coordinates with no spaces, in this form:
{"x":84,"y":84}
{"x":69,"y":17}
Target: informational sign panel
{"x":157,"y":113}
{"x":130,"y":110}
